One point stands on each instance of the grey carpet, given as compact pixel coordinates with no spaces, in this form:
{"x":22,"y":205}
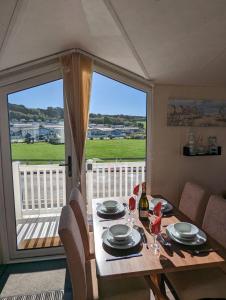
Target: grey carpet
{"x":33,"y":282}
{"x":48,"y":295}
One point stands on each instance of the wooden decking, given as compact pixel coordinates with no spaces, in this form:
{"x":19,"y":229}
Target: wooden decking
{"x":38,"y":232}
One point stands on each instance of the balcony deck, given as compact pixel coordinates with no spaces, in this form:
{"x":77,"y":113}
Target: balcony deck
{"x":38,"y":232}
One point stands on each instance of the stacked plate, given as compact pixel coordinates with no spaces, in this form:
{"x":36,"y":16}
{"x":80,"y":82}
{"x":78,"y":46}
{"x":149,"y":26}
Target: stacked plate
{"x":186,"y":234}
{"x":110,"y":207}
{"x":166,"y":206}
{"x":121,"y":236}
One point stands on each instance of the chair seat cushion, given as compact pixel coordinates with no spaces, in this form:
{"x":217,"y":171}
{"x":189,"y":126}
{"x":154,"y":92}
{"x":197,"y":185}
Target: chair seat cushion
{"x":197,"y":284}
{"x":124,"y":289}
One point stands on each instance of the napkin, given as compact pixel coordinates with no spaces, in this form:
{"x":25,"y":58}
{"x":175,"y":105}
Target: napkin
{"x":156,"y":225}
{"x":136,"y":189}
{"x":132,"y":203}
{"x":157,"y":209}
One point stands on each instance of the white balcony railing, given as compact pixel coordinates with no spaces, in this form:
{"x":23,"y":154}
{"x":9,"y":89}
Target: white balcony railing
{"x":40,"y":189}
{"x":113,"y":179}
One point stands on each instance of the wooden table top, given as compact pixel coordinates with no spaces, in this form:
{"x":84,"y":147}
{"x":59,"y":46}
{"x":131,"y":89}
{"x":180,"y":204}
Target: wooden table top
{"x":177,"y":259}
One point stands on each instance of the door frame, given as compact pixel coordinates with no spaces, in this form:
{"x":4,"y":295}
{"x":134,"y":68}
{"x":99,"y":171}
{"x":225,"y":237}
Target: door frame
{"x":8,"y":227}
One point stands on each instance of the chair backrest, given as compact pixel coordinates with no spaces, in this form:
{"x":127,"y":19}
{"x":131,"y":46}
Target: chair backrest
{"x":71,"y":238}
{"x":78,"y":206}
{"x":214,"y":222}
{"x":193,"y":202}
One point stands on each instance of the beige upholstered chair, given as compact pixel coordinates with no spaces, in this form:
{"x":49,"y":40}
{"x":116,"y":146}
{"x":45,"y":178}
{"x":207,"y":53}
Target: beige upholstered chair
{"x":83,"y":272}
{"x":193,"y":202}
{"x":78,"y":206}
{"x":205,"y":283}
{"x":214,"y":222}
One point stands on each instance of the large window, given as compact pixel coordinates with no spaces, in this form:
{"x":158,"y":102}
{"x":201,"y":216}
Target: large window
{"x":116,"y":141}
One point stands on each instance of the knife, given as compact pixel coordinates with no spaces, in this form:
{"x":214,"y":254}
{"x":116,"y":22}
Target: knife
{"x":202,"y":251}
{"x":144,"y":239}
{"x":124,"y":257}
{"x":106,"y":220}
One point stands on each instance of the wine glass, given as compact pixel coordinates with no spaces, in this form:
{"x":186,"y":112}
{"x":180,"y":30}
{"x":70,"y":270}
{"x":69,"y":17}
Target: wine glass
{"x":132,"y":208}
{"x":155,"y":229}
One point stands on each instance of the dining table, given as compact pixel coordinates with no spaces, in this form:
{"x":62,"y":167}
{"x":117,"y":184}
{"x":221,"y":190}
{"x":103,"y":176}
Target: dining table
{"x":171,"y":257}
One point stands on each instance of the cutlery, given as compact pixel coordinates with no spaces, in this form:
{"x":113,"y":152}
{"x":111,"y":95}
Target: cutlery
{"x":164,"y":241}
{"x":124,"y":257}
{"x":143,"y":235}
{"x":105,"y":220}
{"x":144,"y":239}
{"x":201,"y":251}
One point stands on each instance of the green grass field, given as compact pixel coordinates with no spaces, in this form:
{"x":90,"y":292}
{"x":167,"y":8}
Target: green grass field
{"x":103,"y":149}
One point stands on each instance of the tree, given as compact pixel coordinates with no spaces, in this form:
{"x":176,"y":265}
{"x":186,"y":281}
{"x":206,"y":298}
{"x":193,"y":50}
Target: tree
{"x":140,"y":125}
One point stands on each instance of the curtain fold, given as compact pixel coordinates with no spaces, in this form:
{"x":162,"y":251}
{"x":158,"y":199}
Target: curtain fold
{"x":77,"y":79}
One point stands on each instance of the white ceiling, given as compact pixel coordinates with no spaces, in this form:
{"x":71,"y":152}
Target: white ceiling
{"x":169,"y":41}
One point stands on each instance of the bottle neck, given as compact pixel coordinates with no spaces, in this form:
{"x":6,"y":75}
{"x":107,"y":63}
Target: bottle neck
{"x":143,"y":194}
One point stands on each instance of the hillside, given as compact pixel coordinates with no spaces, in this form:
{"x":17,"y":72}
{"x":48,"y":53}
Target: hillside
{"x":21,"y":112}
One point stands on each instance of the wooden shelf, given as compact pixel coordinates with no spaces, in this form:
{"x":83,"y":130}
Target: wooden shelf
{"x":186,"y":152}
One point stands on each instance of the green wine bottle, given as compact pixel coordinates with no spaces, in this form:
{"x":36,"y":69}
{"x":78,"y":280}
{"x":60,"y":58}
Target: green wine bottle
{"x":143,"y":204}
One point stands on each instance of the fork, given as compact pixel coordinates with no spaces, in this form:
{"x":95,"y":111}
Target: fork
{"x":164,"y":241}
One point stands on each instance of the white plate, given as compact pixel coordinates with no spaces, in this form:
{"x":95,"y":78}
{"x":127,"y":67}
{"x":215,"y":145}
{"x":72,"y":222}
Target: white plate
{"x":177,"y":235}
{"x":165,"y":209}
{"x":200,"y":238}
{"x":155,"y":201}
{"x":133,"y":241}
{"x":101,"y":209}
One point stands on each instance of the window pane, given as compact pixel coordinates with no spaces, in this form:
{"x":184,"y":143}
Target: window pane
{"x":116,"y":141}
{"x":36,"y":117}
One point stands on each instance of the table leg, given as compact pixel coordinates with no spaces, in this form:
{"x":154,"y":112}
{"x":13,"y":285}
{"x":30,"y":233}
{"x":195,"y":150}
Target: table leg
{"x":158,"y":287}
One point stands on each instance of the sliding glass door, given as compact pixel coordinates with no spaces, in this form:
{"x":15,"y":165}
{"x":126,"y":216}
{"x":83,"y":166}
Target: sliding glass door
{"x":37,"y":162}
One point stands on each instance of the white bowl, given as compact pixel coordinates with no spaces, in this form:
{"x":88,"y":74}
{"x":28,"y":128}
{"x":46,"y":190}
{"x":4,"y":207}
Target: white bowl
{"x":120,"y":232}
{"x":186,"y":230}
{"x":157,"y":200}
{"x":110,"y":205}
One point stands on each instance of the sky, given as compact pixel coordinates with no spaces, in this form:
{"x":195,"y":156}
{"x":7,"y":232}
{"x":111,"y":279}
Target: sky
{"x":107,"y":97}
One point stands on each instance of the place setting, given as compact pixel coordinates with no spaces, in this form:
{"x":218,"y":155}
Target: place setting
{"x":110,"y":209}
{"x":166,"y":207}
{"x":186,"y":234}
{"x":123,"y":241}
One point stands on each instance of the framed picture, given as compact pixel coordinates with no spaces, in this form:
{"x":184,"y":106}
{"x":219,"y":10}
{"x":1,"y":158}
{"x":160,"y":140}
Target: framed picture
{"x":199,"y":113}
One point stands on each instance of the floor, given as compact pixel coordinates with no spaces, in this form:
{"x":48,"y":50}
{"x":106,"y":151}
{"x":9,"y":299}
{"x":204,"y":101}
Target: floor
{"x":30,"y":278}
{"x":37,"y":277}
{"x":38,"y":232}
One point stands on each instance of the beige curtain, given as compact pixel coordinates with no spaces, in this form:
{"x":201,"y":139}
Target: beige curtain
{"x":77,"y":77}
